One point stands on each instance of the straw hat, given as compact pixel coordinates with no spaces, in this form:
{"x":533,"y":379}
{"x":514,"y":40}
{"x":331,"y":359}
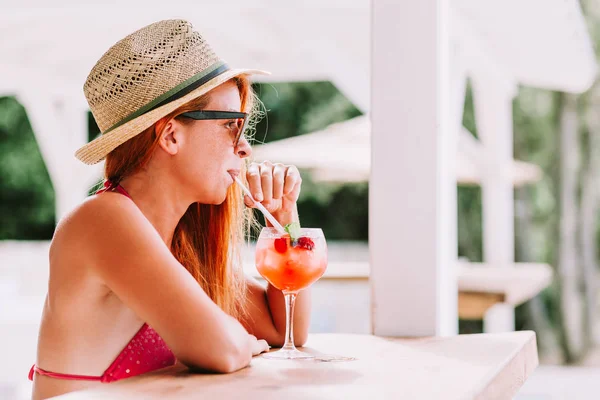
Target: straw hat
{"x":146,"y":76}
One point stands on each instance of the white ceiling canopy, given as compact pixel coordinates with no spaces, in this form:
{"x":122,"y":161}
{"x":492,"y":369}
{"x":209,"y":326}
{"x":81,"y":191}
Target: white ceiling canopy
{"x":535,"y":42}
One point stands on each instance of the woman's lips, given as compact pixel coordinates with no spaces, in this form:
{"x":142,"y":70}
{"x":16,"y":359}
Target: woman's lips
{"x":234,"y":173}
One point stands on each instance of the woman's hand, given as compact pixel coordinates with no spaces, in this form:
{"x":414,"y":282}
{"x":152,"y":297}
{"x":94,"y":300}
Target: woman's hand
{"x":276,"y":186}
{"x":258,"y":346}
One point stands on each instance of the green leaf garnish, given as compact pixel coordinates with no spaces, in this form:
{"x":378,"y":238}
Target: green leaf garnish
{"x":294,"y":230}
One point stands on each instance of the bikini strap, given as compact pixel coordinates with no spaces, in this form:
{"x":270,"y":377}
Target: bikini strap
{"x":110,"y":186}
{"x":40,"y":371}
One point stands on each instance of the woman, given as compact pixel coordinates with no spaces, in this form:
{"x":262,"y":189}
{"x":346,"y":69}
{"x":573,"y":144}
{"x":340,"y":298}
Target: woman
{"x":147,"y":272}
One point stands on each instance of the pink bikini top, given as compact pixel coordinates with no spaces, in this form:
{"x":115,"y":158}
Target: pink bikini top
{"x":145,"y":352}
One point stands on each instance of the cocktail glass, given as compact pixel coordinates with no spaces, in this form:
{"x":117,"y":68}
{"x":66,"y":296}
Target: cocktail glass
{"x":291,"y":267}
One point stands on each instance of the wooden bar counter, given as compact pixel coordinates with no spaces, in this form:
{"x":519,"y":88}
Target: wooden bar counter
{"x":481,"y":366}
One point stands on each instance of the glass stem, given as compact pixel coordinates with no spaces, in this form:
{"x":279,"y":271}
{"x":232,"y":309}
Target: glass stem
{"x":290,"y":299}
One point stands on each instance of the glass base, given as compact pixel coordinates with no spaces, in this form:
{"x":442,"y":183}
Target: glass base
{"x":333,"y":358}
{"x":288,"y":354}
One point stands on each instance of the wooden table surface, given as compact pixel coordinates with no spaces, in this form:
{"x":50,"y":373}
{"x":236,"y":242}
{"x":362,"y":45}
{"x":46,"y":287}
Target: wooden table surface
{"x":481,"y":366}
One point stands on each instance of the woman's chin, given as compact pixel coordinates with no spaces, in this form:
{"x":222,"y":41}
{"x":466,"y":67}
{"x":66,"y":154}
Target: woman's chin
{"x":213,"y":200}
{"x":218,"y":199}
{"x":214,"y":197}
{"x":221,"y":201}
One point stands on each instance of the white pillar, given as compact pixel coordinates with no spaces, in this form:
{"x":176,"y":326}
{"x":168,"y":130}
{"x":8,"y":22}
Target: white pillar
{"x":493,"y":111}
{"x":411,"y":236}
{"x":458,"y":86}
{"x":60,"y":128}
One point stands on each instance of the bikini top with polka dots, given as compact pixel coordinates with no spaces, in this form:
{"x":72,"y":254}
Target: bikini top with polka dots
{"x":145,"y":352}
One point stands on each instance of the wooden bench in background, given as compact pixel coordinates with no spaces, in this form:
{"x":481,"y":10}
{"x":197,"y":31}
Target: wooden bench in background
{"x":482,"y":286}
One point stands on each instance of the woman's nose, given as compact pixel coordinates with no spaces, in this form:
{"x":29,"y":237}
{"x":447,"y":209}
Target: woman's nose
{"x":243,"y":148}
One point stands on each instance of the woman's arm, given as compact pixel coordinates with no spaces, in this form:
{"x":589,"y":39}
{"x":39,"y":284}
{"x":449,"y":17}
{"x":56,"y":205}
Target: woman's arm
{"x":129,"y":256}
{"x":266,"y":314}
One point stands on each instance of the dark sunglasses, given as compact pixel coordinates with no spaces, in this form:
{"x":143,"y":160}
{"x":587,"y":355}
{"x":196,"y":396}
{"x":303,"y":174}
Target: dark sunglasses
{"x":240,"y":117}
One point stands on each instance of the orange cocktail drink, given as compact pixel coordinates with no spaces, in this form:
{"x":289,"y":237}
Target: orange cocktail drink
{"x":291,"y":266}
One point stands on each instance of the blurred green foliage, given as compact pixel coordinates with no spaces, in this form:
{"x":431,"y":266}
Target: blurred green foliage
{"x":26,"y":192}
{"x":300,"y":107}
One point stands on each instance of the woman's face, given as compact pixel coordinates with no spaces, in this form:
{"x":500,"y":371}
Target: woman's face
{"x":207,"y":158}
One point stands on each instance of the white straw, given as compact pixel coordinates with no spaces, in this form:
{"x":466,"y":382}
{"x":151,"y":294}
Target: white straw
{"x":262,"y":208}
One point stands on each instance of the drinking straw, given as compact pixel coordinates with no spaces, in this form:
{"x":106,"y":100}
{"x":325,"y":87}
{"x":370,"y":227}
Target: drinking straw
{"x":262,"y":208}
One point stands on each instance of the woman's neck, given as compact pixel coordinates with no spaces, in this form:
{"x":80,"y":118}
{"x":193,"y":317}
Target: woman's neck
{"x":160,"y":203}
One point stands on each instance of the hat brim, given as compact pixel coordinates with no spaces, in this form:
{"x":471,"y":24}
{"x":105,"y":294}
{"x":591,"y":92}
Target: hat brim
{"x":96,"y":150}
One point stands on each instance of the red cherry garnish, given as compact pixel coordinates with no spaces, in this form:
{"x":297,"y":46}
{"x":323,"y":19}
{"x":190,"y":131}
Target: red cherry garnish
{"x":281,"y":245}
{"x":306,"y":243}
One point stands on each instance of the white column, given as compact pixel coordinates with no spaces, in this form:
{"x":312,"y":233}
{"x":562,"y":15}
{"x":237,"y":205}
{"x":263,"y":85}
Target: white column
{"x":411,"y":236}
{"x":458,"y":86}
{"x":493,"y":111}
{"x":60,"y":128}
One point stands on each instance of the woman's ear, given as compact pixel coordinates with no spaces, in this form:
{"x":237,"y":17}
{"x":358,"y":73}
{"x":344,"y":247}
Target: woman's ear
{"x":170,"y":137}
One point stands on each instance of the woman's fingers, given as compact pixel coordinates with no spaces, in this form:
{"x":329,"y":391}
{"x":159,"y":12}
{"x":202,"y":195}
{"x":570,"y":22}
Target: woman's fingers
{"x":292,"y":179}
{"x":273,"y":184}
{"x":279,"y":177}
{"x":263,"y":346}
{"x":254,"y":181}
{"x":266,"y":182}
{"x":258,"y":346}
{"x":248,"y":202}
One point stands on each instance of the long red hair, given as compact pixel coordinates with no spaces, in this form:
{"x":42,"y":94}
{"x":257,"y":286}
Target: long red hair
{"x":208,"y":238}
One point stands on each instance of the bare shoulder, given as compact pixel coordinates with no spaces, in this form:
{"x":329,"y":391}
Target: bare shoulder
{"x":92,"y":227}
{"x":96,"y":210}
